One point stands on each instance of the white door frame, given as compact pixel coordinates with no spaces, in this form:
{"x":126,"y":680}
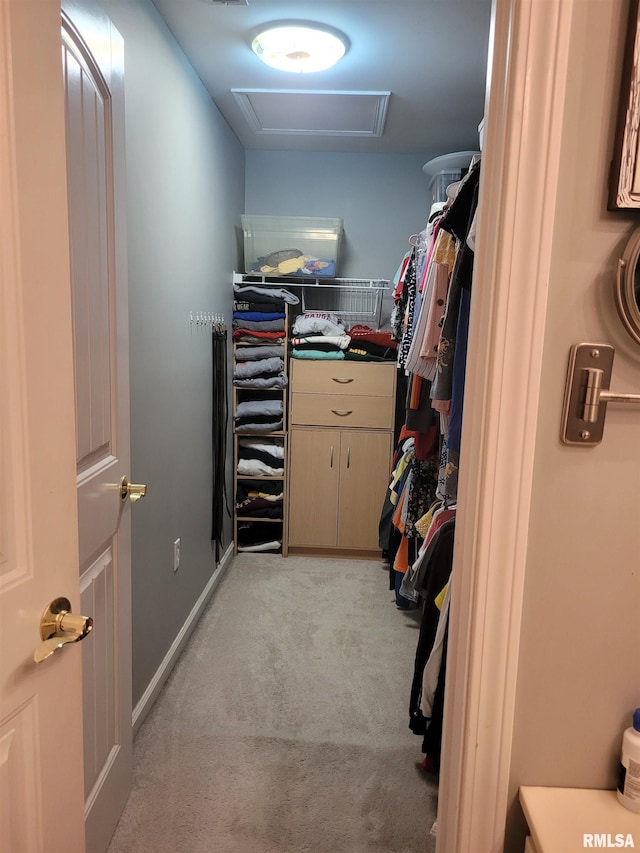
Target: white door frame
{"x":528,"y":71}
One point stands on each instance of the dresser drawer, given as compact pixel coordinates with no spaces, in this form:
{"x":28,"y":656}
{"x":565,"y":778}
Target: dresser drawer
{"x":344,"y":410}
{"x":343,"y":377}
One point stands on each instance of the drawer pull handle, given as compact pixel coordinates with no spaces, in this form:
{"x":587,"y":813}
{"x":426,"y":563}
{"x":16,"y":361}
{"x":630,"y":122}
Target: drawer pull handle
{"x":342,"y":412}
{"x":343,"y":380}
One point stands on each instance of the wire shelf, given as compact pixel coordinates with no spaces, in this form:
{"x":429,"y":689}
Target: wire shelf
{"x":358,"y":300}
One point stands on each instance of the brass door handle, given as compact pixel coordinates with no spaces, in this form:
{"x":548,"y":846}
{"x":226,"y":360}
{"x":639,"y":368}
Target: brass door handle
{"x":132,"y":491}
{"x":59,"y":626}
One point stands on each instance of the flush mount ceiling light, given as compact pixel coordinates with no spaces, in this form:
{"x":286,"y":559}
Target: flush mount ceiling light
{"x":299,"y":46}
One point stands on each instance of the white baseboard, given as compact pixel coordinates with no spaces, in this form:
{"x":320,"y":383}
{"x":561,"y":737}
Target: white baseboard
{"x":164,"y":670}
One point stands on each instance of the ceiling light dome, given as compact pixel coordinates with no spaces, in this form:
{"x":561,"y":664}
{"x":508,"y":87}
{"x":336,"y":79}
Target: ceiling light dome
{"x":299,"y":46}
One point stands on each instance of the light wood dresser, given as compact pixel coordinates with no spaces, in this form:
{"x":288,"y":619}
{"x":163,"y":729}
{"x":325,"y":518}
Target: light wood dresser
{"x":340,"y":445}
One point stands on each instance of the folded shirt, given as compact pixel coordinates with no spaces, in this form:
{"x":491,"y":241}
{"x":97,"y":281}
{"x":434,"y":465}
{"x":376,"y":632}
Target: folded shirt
{"x":340,"y":341}
{"x":265,"y":489}
{"x":272,"y":381}
{"x":373,"y":348}
{"x":355,"y":354}
{"x":255,"y":336}
{"x":384,"y":339}
{"x":247,"y":425}
{"x":260,"y":501}
{"x":258,"y":407}
{"x":273,"y":545}
{"x":336,"y":355}
{"x":271,"y":447}
{"x":260,"y":325}
{"x":250,"y":305}
{"x":248,"y":369}
{"x":264,"y":294}
{"x":318,"y":347}
{"x":275,"y":512}
{"x":258,"y":315}
{"x":249,"y":353}
{"x":306,"y":325}
{"x":258,"y":468}
{"x":260,"y":456}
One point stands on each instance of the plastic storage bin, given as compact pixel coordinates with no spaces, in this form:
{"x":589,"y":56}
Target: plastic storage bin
{"x":291,"y":245}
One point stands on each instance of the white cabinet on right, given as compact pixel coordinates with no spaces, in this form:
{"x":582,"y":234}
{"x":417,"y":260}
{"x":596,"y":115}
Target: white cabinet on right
{"x":341,"y":436}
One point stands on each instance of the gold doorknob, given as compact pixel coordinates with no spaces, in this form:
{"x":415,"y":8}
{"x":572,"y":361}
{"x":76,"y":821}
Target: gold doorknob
{"x":132,"y":491}
{"x":60,"y":626}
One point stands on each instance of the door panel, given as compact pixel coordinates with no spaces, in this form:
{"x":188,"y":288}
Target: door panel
{"x":313,"y":487}
{"x":364,"y":477}
{"x":93,"y":102}
{"x":41,"y":795}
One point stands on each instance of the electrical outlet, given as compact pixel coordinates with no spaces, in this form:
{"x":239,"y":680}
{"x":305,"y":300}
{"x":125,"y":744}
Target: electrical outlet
{"x":176,"y":555}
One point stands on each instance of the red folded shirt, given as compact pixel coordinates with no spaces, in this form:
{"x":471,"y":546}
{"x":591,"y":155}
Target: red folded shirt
{"x":366,"y":333}
{"x":253,"y":333}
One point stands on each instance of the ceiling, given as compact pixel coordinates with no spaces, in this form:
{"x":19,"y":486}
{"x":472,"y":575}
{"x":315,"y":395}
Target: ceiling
{"x":412,"y":82}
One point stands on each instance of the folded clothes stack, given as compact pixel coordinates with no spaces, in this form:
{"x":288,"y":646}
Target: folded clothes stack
{"x":259,"y":416}
{"x":367,"y":344}
{"x":259,"y":536}
{"x":262,"y":499}
{"x":259,"y":313}
{"x":319,"y":335}
{"x":260,"y":458}
{"x":256,"y":325}
{"x":259,"y":370}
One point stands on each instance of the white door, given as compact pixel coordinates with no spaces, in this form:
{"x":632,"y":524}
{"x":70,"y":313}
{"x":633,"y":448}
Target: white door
{"x":92,"y":65}
{"x":41,"y":775}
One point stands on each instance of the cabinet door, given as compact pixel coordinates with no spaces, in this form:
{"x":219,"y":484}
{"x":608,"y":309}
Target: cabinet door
{"x":364,"y":477}
{"x":313,"y":487}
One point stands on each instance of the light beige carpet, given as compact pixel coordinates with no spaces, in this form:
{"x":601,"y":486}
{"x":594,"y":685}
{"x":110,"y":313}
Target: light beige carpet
{"x":284,"y":726}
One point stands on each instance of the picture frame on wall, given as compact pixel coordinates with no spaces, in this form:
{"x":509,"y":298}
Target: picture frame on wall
{"x":624,"y":184}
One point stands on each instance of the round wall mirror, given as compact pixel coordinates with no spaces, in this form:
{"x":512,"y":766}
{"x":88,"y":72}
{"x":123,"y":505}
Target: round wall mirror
{"x":628,"y":286}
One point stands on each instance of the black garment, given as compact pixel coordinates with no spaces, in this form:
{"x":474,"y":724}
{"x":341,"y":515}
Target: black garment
{"x":256,"y":532}
{"x":420,"y":417}
{"x":387,"y":353}
{"x":268,"y":487}
{"x":457,"y":221}
{"x":437,"y":574}
{"x":260,"y":455}
{"x":268,"y":511}
{"x":432,"y":741}
{"x":319,"y":347}
{"x":277,"y":305}
{"x":355,"y":354}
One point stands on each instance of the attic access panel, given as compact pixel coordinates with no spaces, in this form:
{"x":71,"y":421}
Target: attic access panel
{"x":314,"y":112}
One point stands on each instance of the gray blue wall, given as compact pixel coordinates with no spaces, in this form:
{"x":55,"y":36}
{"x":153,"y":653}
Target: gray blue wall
{"x":383,"y":199}
{"x":185,"y":191}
